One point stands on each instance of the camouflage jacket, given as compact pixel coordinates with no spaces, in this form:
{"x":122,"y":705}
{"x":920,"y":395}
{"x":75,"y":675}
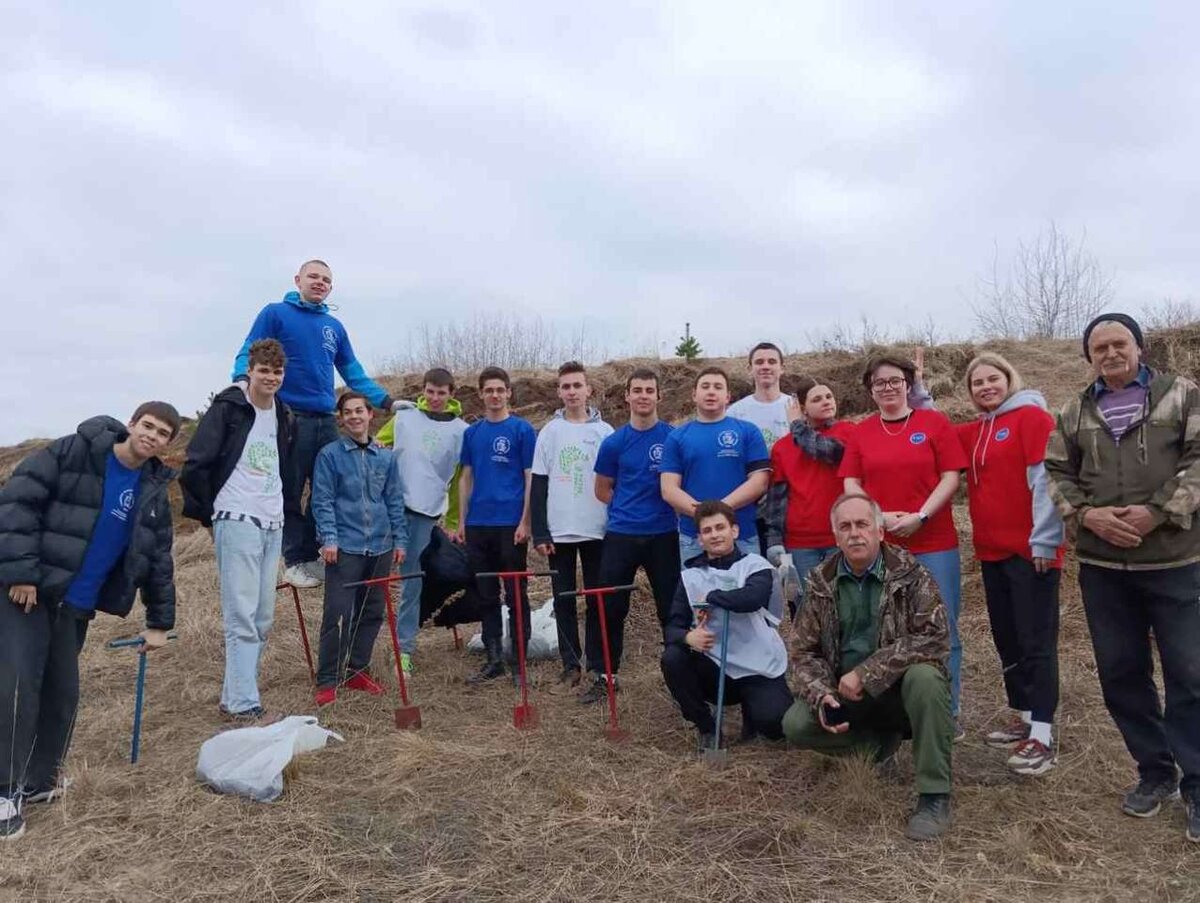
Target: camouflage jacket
{"x":1156,"y":463}
{"x":912,"y":628}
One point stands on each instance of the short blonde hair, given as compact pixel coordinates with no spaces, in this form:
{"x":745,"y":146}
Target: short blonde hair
{"x":992,"y":359}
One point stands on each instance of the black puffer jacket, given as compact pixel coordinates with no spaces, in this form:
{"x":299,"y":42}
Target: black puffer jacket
{"x":49,"y":508}
{"x":217,"y":445}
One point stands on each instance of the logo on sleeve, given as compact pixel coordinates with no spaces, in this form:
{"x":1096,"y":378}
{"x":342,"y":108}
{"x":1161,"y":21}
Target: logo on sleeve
{"x":916,"y":438}
{"x":1003,"y":434}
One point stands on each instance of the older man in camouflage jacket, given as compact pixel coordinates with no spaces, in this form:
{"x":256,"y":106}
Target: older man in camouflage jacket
{"x":868,"y":659}
{"x":1124,"y":467}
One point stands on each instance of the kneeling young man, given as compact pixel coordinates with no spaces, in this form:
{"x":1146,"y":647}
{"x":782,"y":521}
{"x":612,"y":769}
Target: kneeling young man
{"x":869,"y":654}
{"x":726,"y":584}
{"x":85,"y":525}
{"x":359,"y":510}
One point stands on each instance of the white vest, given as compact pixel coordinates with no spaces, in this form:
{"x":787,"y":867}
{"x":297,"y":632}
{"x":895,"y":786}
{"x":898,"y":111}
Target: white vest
{"x":755,"y":646}
{"x":427,"y":453}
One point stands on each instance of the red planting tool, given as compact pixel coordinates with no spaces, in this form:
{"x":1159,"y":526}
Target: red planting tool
{"x":613,"y":731}
{"x":525,"y":716}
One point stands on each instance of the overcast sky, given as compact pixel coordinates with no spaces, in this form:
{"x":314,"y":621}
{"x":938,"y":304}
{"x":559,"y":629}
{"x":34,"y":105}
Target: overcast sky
{"x":762,"y":170}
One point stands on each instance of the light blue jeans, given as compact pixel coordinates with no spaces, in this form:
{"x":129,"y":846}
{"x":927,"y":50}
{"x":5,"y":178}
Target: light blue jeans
{"x":247,"y":558}
{"x":408,"y":616}
{"x":689,"y":547}
{"x":946,"y":568}
{"x":805,"y":560}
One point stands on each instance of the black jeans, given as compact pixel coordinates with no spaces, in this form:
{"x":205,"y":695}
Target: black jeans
{"x":566,"y":611}
{"x":493,"y":549}
{"x":1023,"y":610}
{"x":39,"y":692}
{"x":313,"y":432}
{"x":692,"y":679}
{"x":352,"y":617}
{"x":658,"y":555}
{"x":1123,"y":607}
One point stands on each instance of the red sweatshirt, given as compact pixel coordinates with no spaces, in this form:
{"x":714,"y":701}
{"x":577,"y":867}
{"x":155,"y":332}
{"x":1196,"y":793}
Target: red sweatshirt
{"x":812,"y":488}
{"x":1002,"y":448}
{"x":900,"y":463}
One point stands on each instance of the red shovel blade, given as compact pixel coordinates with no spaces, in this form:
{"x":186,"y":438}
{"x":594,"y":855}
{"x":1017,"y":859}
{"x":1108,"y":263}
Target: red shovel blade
{"x":616,"y":734}
{"x":408,"y":718}
{"x":525,"y":717}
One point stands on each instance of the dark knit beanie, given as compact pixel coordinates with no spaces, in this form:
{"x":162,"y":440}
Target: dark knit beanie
{"x":1124,"y":319}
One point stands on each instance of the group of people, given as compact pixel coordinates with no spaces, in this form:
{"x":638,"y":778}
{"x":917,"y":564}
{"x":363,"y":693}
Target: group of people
{"x":810,"y":562}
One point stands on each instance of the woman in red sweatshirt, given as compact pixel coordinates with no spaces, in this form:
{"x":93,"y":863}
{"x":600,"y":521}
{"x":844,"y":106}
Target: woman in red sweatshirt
{"x":804,"y":480}
{"x":1018,"y":539}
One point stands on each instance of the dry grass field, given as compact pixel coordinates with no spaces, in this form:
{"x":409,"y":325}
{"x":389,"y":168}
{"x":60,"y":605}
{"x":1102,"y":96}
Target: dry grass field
{"x":470,"y":809}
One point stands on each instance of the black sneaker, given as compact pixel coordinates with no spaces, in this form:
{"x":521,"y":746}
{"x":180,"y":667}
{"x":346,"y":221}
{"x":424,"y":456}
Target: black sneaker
{"x":488,"y":672}
{"x":1192,"y":806}
{"x":50,"y":794}
{"x":598,"y":691}
{"x":1146,"y":799}
{"x":569,"y":677}
{"x":246,"y":716}
{"x":12,"y":825}
{"x":931,"y":818}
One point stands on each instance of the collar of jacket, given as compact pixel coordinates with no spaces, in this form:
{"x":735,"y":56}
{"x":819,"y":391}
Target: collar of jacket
{"x":295,"y":300}
{"x":453,"y":409}
{"x":875,"y":570}
{"x":1144,"y":378}
{"x":593,"y":415}
{"x":722,"y":563}
{"x":349,"y":444}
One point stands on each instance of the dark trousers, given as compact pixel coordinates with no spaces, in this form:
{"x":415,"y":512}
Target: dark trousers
{"x":1123,"y":607}
{"x":493,"y":549}
{"x":658,"y":555}
{"x":692,"y":679}
{"x":39,"y":693}
{"x":313,"y":432}
{"x":1023,"y":610}
{"x":352,"y":617}
{"x":566,"y":611}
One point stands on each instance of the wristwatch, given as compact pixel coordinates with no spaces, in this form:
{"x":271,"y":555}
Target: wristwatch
{"x":923,"y":516}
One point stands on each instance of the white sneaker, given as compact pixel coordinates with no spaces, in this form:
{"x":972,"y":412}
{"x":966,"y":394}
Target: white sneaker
{"x":12,"y":825}
{"x":298,"y":575}
{"x":54,"y":793}
{"x":316,"y":569}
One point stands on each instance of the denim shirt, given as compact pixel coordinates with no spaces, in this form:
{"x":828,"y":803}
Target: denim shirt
{"x":357,"y":500}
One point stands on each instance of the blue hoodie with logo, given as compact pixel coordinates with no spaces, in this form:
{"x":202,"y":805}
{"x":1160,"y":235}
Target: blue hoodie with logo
{"x":315,"y":343}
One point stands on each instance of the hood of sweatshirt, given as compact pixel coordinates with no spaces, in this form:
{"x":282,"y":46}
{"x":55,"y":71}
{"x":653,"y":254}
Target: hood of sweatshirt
{"x":1025,"y":398}
{"x":593,"y":415}
{"x":294,"y":299}
{"x":453,"y":409}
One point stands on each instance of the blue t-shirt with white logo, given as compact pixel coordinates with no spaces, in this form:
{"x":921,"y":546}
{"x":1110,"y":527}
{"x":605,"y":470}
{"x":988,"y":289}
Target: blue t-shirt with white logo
{"x":498,"y":455}
{"x":631,"y":459}
{"x":714,"y":459}
{"x":111,"y":535}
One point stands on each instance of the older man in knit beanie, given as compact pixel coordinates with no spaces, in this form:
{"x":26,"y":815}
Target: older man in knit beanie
{"x":1124,"y":465}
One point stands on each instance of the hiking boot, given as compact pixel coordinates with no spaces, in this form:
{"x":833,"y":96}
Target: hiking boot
{"x":250,"y":715}
{"x":406,"y":663}
{"x":1010,"y":735}
{"x":569,"y":677}
{"x":315,"y":569}
{"x":326,"y":696}
{"x":1192,"y":807}
{"x":12,"y":825}
{"x":298,"y":576}
{"x":364,"y":682}
{"x":1144,"y":800}
{"x":491,"y":669}
{"x":931,"y":818}
{"x":1031,"y":757}
{"x":598,"y":691}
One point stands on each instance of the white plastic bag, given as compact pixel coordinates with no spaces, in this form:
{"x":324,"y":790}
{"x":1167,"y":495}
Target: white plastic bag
{"x":249,"y":761}
{"x":543,"y":637}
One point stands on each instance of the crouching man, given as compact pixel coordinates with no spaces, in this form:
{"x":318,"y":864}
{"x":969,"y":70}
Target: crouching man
{"x":869,"y":654}
{"x":85,"y":526}
{"x":359,"y":510}
{"x":725,"y":584}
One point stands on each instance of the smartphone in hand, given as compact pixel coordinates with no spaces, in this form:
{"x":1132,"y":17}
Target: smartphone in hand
{"x":834,"y":716}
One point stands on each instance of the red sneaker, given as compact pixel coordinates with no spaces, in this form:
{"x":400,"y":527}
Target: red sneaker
{"x":363,"y":681}
{"x":326,"y":696}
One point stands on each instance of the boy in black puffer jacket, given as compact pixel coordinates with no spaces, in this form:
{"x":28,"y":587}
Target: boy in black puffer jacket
{"x":84,"y":525}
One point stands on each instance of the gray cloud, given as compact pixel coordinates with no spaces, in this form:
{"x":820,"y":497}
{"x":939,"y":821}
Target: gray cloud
{"x":759,"y":172}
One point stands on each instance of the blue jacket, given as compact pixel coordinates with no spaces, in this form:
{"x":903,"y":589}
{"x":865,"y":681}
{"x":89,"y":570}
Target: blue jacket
{"x":357,"y":501}
{"x":315,"y":342}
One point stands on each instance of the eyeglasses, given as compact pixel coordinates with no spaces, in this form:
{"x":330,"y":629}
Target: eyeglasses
{"x":892,"y":382}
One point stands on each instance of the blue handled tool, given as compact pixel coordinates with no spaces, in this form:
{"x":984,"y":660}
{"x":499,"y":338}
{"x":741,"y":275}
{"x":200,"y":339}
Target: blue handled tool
{"x":718,"y":754}
{"x":140,"y":693}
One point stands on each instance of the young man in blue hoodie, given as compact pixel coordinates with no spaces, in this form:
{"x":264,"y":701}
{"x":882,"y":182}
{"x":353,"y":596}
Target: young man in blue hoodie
{"x":316,"y":344}
{"x":85,"y":526}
